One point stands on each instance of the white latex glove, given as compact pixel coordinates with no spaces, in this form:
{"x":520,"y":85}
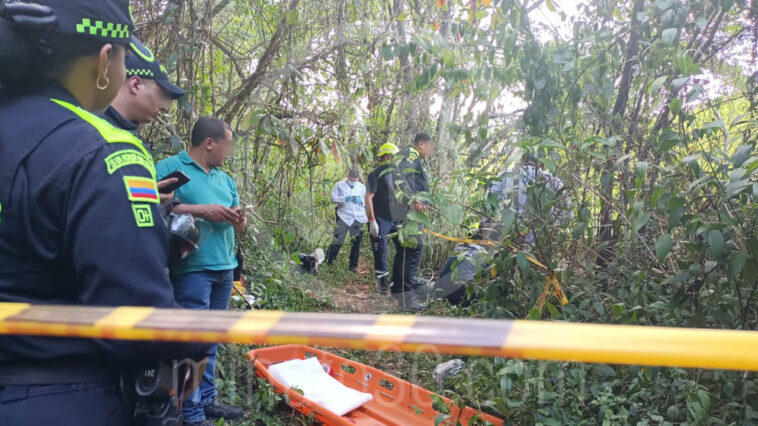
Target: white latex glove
{"x":373,"y":229}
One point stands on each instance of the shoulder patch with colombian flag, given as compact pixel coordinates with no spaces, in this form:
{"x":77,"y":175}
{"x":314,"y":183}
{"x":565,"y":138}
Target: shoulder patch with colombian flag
{"x":412,"y":154}
{"x":141,"y":189}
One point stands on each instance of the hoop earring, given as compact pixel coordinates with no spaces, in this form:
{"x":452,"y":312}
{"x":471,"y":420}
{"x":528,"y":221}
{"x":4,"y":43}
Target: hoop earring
{"x":102,"y":86}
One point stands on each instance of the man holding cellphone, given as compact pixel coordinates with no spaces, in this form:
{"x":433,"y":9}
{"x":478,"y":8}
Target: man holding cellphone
{"x":203,"y":280}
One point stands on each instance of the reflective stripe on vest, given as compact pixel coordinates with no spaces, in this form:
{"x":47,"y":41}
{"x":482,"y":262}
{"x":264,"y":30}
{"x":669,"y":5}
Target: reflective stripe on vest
{"x":110,"y":133}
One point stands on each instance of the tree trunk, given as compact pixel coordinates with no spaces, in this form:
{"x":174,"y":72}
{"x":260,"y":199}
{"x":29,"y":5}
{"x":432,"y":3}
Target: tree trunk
{"x":607,"y":237}
{"x":235,"y":104}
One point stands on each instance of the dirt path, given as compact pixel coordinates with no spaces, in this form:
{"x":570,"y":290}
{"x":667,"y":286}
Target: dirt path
{"x":356,"y":292}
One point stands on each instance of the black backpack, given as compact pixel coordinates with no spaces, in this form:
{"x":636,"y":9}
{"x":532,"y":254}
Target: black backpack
{"x":395,"y":181}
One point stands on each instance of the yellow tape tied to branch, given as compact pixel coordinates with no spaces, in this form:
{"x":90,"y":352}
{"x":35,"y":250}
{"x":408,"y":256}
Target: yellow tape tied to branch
{"x":552,"y":284}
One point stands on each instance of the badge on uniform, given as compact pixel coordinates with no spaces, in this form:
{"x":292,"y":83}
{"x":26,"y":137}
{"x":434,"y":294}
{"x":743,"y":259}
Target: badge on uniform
{"x":143,"y":215}
{"x":128,"y":157}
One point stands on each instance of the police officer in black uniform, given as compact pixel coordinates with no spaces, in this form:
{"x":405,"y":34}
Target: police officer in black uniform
{"x":147,"y":93}
{"x":79,"y":220}
{"x":407,"y":259}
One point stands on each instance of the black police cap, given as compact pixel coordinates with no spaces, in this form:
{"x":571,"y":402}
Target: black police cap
{"x":106,"y":20}
{"x":143,"y":63}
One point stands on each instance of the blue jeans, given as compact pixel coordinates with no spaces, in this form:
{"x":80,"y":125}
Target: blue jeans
{"x":379,"y":246}
{"x":203,"y":290}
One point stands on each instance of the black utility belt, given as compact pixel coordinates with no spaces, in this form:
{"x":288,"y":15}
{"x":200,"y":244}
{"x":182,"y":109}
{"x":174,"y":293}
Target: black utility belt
{"x":57,"y":372}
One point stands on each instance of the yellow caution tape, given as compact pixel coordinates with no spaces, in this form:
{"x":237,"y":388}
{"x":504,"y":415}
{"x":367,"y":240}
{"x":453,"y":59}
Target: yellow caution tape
{"x":559,"y":341}
{"x":460,"y":240}
{"x":513,"y":248}
{"x":239,"y":287}
{"x":552,"y":285}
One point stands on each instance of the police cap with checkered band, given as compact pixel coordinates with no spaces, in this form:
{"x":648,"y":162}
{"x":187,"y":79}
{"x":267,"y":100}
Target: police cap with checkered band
{"x":106,"y":20}
{"x":141,"y":62}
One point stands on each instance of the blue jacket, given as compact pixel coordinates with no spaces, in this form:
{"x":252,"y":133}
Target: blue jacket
{"x":79,"y":224}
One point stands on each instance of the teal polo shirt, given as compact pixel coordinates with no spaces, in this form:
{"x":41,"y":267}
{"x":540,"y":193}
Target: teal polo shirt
{"x":215,"y":187}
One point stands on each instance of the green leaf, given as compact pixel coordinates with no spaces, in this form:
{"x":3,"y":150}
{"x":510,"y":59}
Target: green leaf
{"x":176,"y":144}
{"x":677,"y":83}
{"x":687,"y":66}
{"x":401,"y":17}
{"x":523,"y":264}
{"x":675,"y":106}
{"x":669,"y":35}
{"x":715,"y":243}
{"x":266,"y":126}
{"x":534,"y":314}
{"x":728,"y":388}
{"x":440,"y":419}
{"x":255,"y":117}
{"x":741,"y":154}
{"x":705,"y":400}
{"x":419,"y":217}
{"x":553,"y":310}
{"x":618,"y":309}
{"x":641,"y":168}
{"x":669,"y":139}
{"x":291,"y":17}
{"x":640,"y":221}
{"x":735,"y":263}
{"x":509,"y":216}
{"x":663,"y":246}
{"x":606,"y":370}
{"x":678,"y":278}
{"x":734,"y":188}
{"x":750,"y":271}
{"x":599,"y":308}
{"x":578,"y":230}
{"x":186,"y":106}
{"x":453,"y":213}
{"x":657,"y":83}
{"x":388,"y":52}
{"x":438,"y":404}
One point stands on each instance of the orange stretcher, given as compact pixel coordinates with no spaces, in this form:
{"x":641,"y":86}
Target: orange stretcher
{"x":395,"y":402}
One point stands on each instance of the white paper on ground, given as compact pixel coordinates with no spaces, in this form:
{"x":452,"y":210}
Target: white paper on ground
{"x":308,"y":376}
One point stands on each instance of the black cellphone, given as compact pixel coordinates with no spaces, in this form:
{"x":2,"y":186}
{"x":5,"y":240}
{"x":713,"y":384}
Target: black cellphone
{"x":174,"y":186}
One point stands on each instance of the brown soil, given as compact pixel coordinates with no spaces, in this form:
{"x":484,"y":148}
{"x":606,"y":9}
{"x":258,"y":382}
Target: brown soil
{"x":357,"y":293}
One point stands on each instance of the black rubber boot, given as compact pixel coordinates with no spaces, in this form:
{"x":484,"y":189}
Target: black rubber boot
{"x":422,"y":288}
{"x":382,"y":286}
{"x":218,"y":410}
{"x":408,"y":301}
